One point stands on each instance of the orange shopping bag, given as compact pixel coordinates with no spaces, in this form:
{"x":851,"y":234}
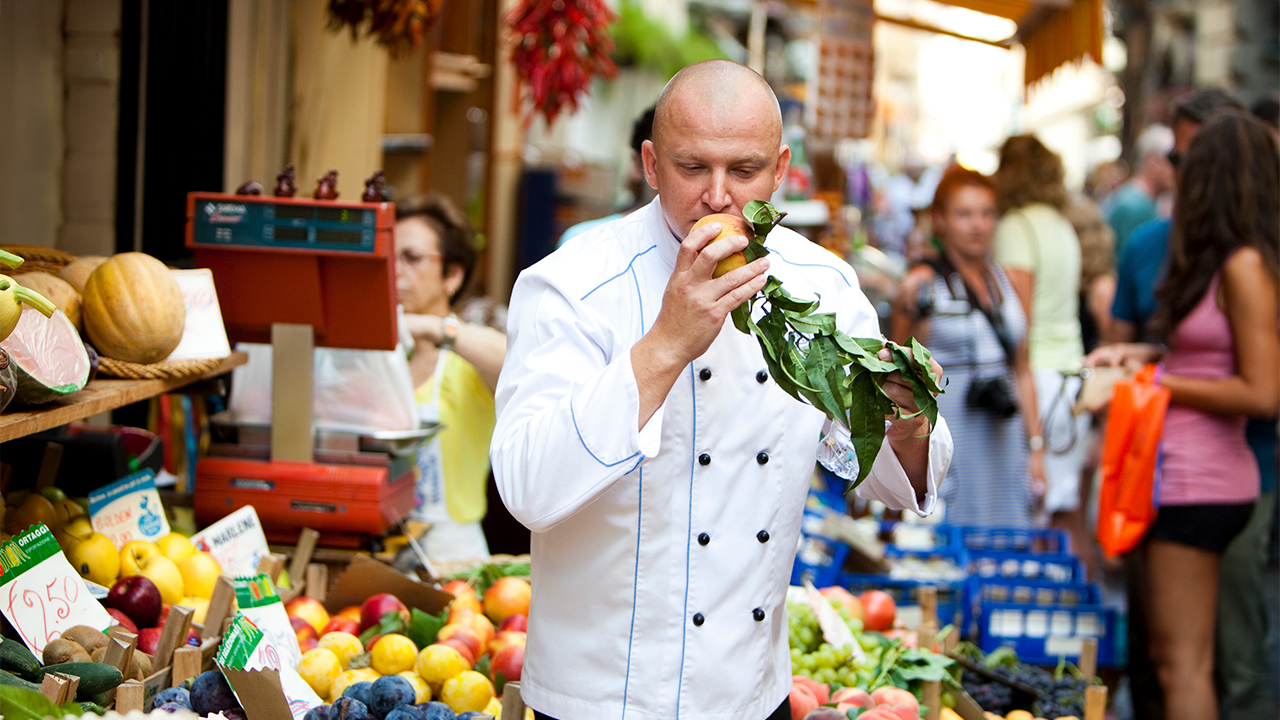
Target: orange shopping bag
{"x":1130,"y":453}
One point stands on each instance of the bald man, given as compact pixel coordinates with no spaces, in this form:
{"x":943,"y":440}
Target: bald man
{"x":641,"y":439}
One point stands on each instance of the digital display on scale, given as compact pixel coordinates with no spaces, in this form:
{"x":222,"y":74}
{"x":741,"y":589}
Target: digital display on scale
{"x":292,"y":225}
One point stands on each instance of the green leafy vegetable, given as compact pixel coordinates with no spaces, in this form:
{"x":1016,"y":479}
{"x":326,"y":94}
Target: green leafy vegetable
{"x":22,"y":704}
{"x":423,"y":626}
{"x":814,"y":362}
{"x":482,"y":576}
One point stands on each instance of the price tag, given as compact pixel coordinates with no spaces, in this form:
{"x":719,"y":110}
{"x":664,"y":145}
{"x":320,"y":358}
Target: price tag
{"x":258,"y":601}
{"x":40,"y":593}
{"x":129,"y":510}
{"x":236,"y":542}
{"x":203,"y":334}
{"x":246,"y":648}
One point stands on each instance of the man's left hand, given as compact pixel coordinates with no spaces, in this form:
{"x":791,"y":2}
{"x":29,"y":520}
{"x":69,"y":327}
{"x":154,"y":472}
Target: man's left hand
{"x":900,"y":391}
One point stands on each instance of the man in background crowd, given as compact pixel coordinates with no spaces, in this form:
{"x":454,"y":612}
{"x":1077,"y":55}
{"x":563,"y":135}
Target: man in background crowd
{"x":1135,"y":202}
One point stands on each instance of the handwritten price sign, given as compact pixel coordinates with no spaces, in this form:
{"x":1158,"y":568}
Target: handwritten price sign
{"x":40,"y":593}
{"x":260,"y":603}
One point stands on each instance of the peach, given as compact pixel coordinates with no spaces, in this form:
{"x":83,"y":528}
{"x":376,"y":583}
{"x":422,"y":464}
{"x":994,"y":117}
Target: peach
{"x":879,"y":713}
{"x":463,"y":648}
{"x":507,"y":596}
{"x":889,"y":695}
{"x":465,"y":634}
{"x":854,"y":697}
{"x":901,"y":712}
{"x":509,"y":661}
{"x":515,"y":622}
{"x":303,"y":629}
{"x":350,"y":611}
{"x":340,"y":623}
{"x":826,"y":713}
{"x":308,"y":609}
{"x":505,"y":639}
{"x":821,"y":691}
{"x":730,"y":225}
{"x":802,"y":702}
{"x":464,"y":595}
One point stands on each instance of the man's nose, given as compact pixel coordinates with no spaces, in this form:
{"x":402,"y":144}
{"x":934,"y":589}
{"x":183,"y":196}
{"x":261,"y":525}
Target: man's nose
{"x":716,"y":195}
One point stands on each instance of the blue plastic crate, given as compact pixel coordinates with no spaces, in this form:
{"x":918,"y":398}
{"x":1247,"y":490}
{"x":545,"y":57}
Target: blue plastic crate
{"x":1021,"y":591}
{"x":1027,"y":566}
{"x":906,"y":594}
{"x":1050,"y":541}
{"x":943,"y":535}
{"x":1042,"y":634}
{"x":827,"y":490}
{"x":820,"y":558}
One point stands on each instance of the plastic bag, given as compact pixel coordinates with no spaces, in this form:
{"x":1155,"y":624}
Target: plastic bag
{"x":355,"y":390}
{"x":1130,"y":461}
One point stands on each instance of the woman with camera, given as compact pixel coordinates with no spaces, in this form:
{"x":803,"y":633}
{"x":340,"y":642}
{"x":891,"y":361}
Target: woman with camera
{"x":962,"y":306}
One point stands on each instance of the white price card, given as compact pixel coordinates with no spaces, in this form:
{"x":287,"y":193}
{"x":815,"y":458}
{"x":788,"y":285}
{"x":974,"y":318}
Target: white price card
{"x":40,"y":593}
{"x":203,"y":334}
{"x":129,"y":510}
{"x":236,"y":542}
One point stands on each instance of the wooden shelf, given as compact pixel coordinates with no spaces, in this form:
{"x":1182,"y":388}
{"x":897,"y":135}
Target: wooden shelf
{"x":101,"y":395}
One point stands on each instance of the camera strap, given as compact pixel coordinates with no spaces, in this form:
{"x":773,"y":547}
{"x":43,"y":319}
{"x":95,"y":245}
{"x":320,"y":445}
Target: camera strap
{"x":943,"y":267}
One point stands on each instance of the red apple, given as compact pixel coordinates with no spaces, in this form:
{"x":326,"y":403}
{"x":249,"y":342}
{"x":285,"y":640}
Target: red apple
{"x":122,"y":620}
{"x":137,"y":597}
{"x":374,"y":608}
{"x":340,"y":623}
{"x":515,"y":622}
{"x":509,"y":661}
{"x":802,"y":701}
{"x":303,"y":629}
{"x":857,"y":697}
{"x":148,"y":640}
{"x":821,"y":691}
{"x":889,"y":695}
{"x":193,"y":637}
{"x":506,"y":639}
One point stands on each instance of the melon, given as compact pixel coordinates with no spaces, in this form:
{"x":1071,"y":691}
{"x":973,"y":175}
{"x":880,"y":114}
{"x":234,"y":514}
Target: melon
{"x":59,"y":292}
{"x":133,"y":309}
{"x":47,"y":356}
{"x":78,"y":272}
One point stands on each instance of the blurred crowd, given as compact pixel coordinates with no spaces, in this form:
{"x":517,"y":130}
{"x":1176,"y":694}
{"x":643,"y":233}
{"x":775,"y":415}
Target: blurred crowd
{"x":1035,"y":299}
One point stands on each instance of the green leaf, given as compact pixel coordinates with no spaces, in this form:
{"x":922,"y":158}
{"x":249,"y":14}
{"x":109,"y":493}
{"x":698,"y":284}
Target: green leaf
{"x":764,"y":216}
{"x":923,"y":358}
{"x":360,"y":661}
{"x":780,"y":298}
{"x":423,"y":627}
{"x":821,"y":324}
{"x":866,"y":427}
{"x":18,"y":703}
{"x":391,"y":621}
{"x":499,"y":682}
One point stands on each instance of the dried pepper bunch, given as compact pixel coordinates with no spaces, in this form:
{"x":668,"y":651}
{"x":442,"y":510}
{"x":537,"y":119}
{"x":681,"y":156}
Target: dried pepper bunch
{"x":398,"y":25}
{"x":558,"y":46}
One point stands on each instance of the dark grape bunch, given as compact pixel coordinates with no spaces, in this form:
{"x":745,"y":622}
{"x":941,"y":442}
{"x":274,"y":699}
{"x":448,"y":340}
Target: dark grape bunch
{"x":992,"y":696}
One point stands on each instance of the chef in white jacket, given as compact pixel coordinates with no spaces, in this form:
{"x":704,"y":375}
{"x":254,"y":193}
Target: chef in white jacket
{"x":641,"y":439}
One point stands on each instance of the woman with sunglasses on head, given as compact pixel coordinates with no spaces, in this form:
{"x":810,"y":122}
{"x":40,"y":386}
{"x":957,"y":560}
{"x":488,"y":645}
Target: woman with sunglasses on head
{"x":454,"y":366}
{"x":962,"y":306}
{"x":1219,"y":313}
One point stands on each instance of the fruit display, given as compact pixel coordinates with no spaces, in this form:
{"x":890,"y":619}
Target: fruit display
{"x":382,"y":661}
{"x":1007,"y":688}
{"x":133,"y":308}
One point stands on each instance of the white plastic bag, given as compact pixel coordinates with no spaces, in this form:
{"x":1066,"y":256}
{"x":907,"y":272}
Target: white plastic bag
{"x":355,"y":390}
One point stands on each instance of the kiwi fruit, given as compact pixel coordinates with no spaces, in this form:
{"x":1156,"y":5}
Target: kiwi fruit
{"x":62,"y":650}
{"x":99,"y":654}
{"x":141,"y":665}
{"x":86,"y":637}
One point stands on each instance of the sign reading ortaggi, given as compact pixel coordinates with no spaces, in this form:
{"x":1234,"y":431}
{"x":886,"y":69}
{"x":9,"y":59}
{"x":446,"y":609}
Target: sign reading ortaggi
{"x":40,"y":593}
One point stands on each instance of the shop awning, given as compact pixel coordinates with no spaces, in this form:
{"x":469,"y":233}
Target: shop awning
{"x":1053,"y":32}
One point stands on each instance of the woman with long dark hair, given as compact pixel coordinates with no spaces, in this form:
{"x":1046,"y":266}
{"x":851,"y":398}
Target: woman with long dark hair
{"x":1219,"y":312}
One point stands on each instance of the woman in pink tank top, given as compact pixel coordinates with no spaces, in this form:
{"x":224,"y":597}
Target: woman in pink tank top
{"x":1219,"y":311}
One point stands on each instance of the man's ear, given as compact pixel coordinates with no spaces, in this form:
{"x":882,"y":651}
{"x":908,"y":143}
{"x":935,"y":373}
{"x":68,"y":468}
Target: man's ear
{"x":649,"y":158}
{"x":780,"y":171}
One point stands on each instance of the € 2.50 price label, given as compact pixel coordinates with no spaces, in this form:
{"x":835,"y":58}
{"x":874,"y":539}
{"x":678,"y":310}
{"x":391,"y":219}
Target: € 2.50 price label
{"x":40,"y":593}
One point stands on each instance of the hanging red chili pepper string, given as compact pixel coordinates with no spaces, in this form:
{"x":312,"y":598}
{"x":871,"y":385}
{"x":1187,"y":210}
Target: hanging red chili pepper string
{"x":558,"y":46}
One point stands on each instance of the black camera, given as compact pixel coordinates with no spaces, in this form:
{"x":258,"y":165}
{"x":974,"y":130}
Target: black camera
{"x":993,"y":394}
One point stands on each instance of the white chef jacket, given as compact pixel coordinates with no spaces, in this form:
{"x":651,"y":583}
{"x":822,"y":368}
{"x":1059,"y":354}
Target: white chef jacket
{"x":661,"y":557}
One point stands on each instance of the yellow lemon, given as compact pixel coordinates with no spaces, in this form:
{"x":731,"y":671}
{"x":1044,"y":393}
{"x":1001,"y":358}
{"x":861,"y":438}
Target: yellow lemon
{"x":343,"y":644}
{"x":420,"y":686}
{"x":469,"y":690}
{"x":319,"y":667}
{"x":438,"y":663}
{"x":393,"y":654}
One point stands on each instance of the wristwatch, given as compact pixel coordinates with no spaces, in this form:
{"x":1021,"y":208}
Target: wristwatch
{"x":1035,"y":443}
{"x":448,"y":333}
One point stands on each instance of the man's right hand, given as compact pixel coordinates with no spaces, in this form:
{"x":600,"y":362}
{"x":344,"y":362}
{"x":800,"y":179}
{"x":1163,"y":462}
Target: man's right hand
{"x":694,"y":308}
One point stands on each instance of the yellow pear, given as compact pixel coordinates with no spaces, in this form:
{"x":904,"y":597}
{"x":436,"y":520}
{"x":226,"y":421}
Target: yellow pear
{"x":176,"y":547}
{"x":132,"y":555}
{"x":199,"y":574}
{"x":96,"y":559}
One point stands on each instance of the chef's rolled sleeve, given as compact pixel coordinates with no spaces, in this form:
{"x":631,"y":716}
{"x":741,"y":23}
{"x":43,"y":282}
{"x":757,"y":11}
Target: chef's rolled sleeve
{"x":888,"y":481}
{"x":568,"y":409}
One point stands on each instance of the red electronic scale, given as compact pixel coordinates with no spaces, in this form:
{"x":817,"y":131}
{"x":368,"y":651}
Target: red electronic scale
{"x":298,"y":273}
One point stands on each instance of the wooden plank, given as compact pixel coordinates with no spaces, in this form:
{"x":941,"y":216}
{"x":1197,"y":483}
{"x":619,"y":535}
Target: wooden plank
{"x":174,"y":634}
{"x":270,"y":565}
{"x":1095,"y":702}
{"x":219,"y":608}
{"x":1089,"y":659}
{"x":129,"y":696}
{"x":307,"y":540}
{"x":99,"y":396}
{"x":512,"y":704}
{"x":59,"y":688}
{"x":317,"y":581}
{"x":186,"y":664}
